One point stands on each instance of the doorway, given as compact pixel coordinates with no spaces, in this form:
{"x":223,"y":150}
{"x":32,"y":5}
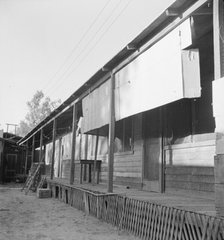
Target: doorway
{"x":153,"y":151}
{"x":11,"y":166}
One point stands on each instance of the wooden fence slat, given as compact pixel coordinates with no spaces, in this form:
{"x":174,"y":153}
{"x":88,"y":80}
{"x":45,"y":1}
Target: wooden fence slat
{"x":195,"y":227}
{"x":159,"y":224}
{"x":215,"y":232}
{"x":173,"y":223}
{"x":210,"y":228}
{"x":181,"y":224}
{"x":189,"y":228}
{"x":126,"y":212}
{"x":135,"y":217}
{"x":205,"y":229}
{"x":147,"y":220}
{"x":162,"y":223}
{"x":123,"y":213}
{"x":166,"y":223}
{"x":129,"y":215}
{"x":108,"y":210}
{"x":112,"y":209}
{"x":152,"y":221}
{"x":169,"y":224}
{"x":155,"y":221}
{"x":116,"y":211}
{"x":144,"y":211}
{"x":132,"y":215}
{"x":177,"y":224}
{"x":139,"y":217}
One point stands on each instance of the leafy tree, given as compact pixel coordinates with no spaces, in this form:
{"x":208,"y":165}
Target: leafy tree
{"x":39,"y":107}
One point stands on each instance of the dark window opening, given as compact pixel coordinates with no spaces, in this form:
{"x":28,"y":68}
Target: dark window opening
{"x":124,"y":135}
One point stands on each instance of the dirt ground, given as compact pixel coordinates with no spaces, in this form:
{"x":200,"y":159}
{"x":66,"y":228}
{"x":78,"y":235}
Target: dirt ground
{"x":25,"y":217}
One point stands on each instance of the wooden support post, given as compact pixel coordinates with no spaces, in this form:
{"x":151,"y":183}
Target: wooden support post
{"x":59,"y":173}
{"x":81,"y":169}
{"x":86,"y":156}
{"x":33,"y":151}
{"x":41,"y":144}
{"x":53,"y":147}
{"x":95,"y":157}
{"x":74,"y":126}
{"x":162,"y":160}
{"x":218,"y":38}
{"x":44,"y":153}
{"x":111,"y":135}
{"x":80,"y":156}
{"x":26,"y":160}
{"x":80,"y":146}
{"x":193,"y":118}
{"x":90,"y":170}
{"x":2,"y":172}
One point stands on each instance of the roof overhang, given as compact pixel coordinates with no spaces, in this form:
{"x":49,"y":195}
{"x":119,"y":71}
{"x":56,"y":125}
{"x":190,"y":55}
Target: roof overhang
{"x":177,"y":13}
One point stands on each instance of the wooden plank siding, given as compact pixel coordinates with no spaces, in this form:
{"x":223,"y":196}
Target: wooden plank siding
{"x":127,"y":165}
{"x":189,"y":162}
{"x":190,"y":165}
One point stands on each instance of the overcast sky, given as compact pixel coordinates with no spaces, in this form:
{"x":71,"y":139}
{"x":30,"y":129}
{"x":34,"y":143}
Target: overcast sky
{"x":57,"y":45}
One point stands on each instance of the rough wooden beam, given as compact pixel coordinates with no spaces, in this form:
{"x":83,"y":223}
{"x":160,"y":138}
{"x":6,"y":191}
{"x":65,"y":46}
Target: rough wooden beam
{"x":53,"y":147}
{"x":218,"y":37}
{"x":95,"y":157}
{"x":41,"y":144}
{"x":105,"y":69}
{"x":74,"y":126}
{"x":26,"y":161}
{"x":131,"y":47}
{"x":111,"y":134}
{"x":86,"y":155}
{"x":171,"y":12}
{"x":33,"y":150}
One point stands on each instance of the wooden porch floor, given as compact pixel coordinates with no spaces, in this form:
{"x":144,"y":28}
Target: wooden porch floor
{"x":194,"y":202}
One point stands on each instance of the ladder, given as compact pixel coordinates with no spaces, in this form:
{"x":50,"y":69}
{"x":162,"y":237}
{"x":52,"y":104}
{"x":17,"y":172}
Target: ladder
{"x":31,"y":173}
{"x":42,"y":181}
{"x":33,"y":178}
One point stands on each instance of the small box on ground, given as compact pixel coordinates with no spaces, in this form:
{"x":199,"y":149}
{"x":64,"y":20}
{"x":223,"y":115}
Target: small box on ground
{"x":43,"y":193}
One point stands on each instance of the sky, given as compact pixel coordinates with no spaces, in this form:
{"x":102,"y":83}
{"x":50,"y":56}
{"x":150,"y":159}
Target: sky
{"x":57,"y":45}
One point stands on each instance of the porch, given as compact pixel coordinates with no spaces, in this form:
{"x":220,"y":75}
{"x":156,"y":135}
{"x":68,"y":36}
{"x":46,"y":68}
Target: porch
{"x":203,"y":203}
{"x":147,"y":215}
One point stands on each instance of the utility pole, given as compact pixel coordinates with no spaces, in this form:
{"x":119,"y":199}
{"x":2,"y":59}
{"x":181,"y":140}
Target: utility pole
{"x":11,"y":124}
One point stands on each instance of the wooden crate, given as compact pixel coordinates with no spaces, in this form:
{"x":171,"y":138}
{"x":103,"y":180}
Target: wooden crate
{"x":43,"y":193}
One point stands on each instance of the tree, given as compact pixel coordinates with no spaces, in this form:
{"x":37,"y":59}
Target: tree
{"x":39,"y":107}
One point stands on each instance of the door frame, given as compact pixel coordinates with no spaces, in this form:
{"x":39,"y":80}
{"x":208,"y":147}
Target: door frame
{"x":7,"y":158}
{"x":157,"y":186}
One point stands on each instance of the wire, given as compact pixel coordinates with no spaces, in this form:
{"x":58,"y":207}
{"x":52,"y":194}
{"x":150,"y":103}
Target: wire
{"x":98,"y":40}
{"x":82,"y":50}
{"x":77,"y":45}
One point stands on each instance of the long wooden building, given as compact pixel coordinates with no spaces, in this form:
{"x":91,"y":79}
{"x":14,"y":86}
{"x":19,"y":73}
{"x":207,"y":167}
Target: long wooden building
{"x":152,"y":117}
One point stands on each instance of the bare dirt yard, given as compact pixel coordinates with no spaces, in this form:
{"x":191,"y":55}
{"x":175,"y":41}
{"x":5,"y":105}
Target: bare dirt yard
{"x":25,"y":217}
